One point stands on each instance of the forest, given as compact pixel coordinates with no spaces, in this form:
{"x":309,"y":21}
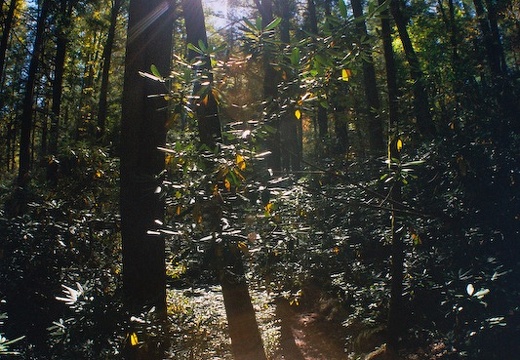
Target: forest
{"x":260,"y":179}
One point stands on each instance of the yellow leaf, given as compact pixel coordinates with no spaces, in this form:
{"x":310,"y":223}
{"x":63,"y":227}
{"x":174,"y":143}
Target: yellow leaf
{"x":241,"y":163}
{"x":243,"y":247}
{"x":298,"y":114}
{"x":227,"y":184}
{"x":133,"y":339}
{"x":268,"y":207}
{"x":399,"y":145}
{"x":345,"y":74}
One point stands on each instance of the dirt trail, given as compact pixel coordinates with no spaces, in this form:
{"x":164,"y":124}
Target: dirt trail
{"x":307,"y":336}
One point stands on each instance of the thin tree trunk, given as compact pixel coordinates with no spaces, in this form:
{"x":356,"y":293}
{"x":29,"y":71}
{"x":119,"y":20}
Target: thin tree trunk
{"x":207,"y":110}
{"x":375,"y":125}
{"x":270,"y":88}
{"x":246,"y":341}
{"x":290,"y":127}
{"x":27,"y":106}
{"x":107,"y":57}
{"x":489,"y":27}
{"x":8,"y":23}
{"x":395,"y":313}
{"x":321,"y":116}
{"x":421,"y":101}
{"x":57,"y":88}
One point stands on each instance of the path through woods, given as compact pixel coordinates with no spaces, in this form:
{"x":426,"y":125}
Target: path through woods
{"x":305,"y":336}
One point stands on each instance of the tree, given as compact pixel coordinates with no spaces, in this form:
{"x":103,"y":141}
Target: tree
{"x":375,"y":125}
{"x":246,"y":341}
{"x":149,"y":43}
{"x":107,"y":58}
{"x":6,"y":32}
{"x":26,"y":119}
{"x":289,"y":126}
{"x":62,"y":29}
{"x":421,"y":100}
{"x":322,"y":115}
{"x":270,"y":83}
{"x":395,"y":312}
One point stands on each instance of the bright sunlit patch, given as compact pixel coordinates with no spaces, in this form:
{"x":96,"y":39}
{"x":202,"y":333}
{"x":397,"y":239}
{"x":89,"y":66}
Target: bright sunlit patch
{"x":147,"y":21}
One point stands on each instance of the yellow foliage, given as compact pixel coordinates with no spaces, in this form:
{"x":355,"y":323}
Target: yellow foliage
{"x":241,"y":163}
{"x":133,"y":339}
{"x":345,"y":74}
{"x":399,"y":145}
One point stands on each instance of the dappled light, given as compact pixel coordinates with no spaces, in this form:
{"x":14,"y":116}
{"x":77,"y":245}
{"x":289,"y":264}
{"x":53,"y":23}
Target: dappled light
{"x":259,"y":180}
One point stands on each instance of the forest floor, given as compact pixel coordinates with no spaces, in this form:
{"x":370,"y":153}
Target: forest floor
{"x":306,"y":336}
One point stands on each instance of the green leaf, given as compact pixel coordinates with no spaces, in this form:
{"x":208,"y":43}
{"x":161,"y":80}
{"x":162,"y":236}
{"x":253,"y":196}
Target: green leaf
{"x":250,"y":26}
{"x":273,"y":24}
{"x":295,"y":56}
{"x":194,"y":48}
{"x":155,"y":71}
{"x":342,"y":8}
{"x":150,"y":76}
{"x":203,"y":47}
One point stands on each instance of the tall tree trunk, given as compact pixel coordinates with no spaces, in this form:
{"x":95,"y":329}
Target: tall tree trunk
{"x":149,"y":42}
{"x":57,"y":86}
{"x":290,"y":127}
{"x":207,"y":110}
{"x":421,"y":100}
{"x":270,"y":88}
{"x":107,"y":57}
{"x":8,"y":23}
{"x":375,"y":125}
{"x":26,"y":120}
{"x":321,"y":115}
{"x":395,"y":313}
{"x":246,"y":341}
{"x":451,"y":27}
{"x":489,"y":28}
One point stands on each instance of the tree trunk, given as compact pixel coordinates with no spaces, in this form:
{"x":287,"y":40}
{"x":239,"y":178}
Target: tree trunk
{"x":321,"y":116}
{"x":142,"y":131}
{"x":107,"y":57}
{"x":421,"y":100}
{"x":270,"y":88}
{"x":57,"y":87}
{"x":207,"y":109}
{"x":290,"y":127}
{"x":489,"y":28}
{"x":395,"y":313}
{"x":246,"y":342}
{"x":26,"y":120}
{"x":8,"y":23}
{"x":375,"y":125}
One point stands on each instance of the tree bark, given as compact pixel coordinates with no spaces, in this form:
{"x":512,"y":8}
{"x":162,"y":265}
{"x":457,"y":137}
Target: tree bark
{"x":207,"y":108}
{"x":57,"y":86}
{"x":246,"y":341}
{"x":107,"y":57}
{"x":421,"y":100}
{"x":290,"y":127}
{"x":26,"y":119}
{"x":149,"y":42}
{"x":321,"y":116}
{"x":8,"y":23}
{"x":395,"y":313}
{"x":375,"y":125}
{"x":270,"y":88}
